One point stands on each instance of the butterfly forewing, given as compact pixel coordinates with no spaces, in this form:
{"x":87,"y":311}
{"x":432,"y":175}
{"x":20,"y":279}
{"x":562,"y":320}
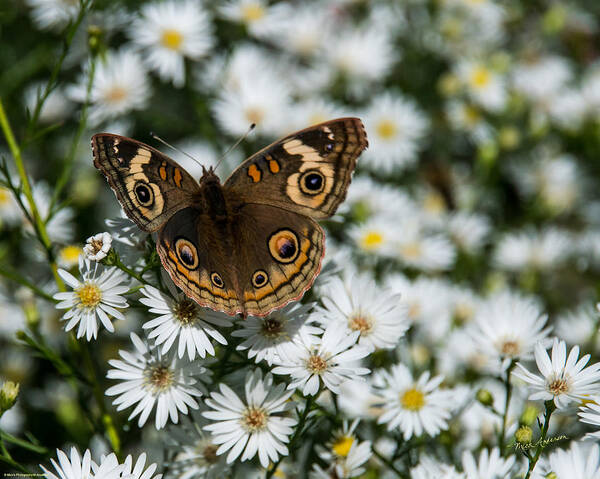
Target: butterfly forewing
{"x":149,"y":185}
{"x":307,"y":172}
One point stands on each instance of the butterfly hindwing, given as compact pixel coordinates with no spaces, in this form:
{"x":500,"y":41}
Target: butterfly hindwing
{"x":278,"y":256}
{"x":149,"y":185}
{"x":307,"y":172}
{"x":198,"y":257}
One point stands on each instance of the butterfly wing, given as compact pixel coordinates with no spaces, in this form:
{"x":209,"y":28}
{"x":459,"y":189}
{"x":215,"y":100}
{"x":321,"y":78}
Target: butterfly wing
{"x":199,"y":258}
{"x":307,"y":172}
{"x":149,"y":185}
{"x":278,"y":256}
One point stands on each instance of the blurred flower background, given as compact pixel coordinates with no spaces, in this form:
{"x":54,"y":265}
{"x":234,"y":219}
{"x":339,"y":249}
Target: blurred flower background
{"x":468,"y":247}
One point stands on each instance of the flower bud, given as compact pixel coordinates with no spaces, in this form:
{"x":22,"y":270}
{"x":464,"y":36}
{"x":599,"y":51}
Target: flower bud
{"x":524,"y":435}
{"x":8,"y":395}
{"x":529,"y":415}
{"x":485,"y":397}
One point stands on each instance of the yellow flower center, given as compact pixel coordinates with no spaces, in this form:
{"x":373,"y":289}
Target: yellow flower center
{"x":558,"y":386}
{"x":4,"y":195}
{"x":159,"y":378}
{"x":316,"y":364}
{"x":185,"y":312}
{"x":255,"y":419}
{"x":171,"y":39}
{"x":272,"y":328}
{"x":510,"y":348}
{"x":371,"y":240}
{"x":413,"y":400}
{"x":360,"y":322}
{"x":209,"y":453}
{"x":480,"y":77}
{"x":89,"y":295}
{"x":414,"y":310}
{"x":387,"y":129}
{"x":411,"y":250}
{"x":255,"y":115}
{"x":116,"y":94}
{"x":252,"y":12}
{"x":70,"y":254}
{"x":341,"y":447}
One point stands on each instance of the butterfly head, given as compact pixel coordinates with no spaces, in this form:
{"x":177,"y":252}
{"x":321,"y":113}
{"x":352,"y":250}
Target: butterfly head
{"x":209,"y":176}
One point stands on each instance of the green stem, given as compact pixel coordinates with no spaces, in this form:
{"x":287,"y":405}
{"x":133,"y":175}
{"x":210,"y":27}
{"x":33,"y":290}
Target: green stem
{"x":387,"y":462}
{"x":38,"y":223}
{"x":508,"y":386}
{"x":107,"y":420}
{"x":66,"y":172}
{"x":550,"y":408}
{"x":297,"y":432}
{"x":52,"y":81}
{"x":17,"y":278}
{"x":22,"y":443}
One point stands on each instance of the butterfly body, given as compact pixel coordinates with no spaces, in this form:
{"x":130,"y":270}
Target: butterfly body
{"x":249,"y":245}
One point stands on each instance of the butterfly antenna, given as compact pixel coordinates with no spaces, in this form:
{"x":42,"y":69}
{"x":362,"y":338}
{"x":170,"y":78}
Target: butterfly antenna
{"x":177,"y":149}
{"x":240,"y":139}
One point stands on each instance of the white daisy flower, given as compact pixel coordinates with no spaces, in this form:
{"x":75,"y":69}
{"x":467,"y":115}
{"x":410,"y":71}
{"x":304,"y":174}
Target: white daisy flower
{"x":490,"y":465}
{"x":358,"y":400}
{"x":272,"y":337}
{"x":181,"y":319}
{"x":468,"y":230}
{"x":428,"y":302}
{"x":578,"y":326}
{"x":261,"y":100}
{"x":412,"y":406}
{"x":568,"y":110}
{"x":195,"y":452}
{"x":53,"y":14}
{"x":137,"y":471}
{"x":541,"y":250}
{"x":368,"y":198}
{"x":484,"y":86}
{"x":375,"y":236}
{"x":330,"y":361}
{"x":120,"y":85}
{"x":576,"y":462}
{"x":589,"y":413}
{"x":147,"y":378}
{"x":563,"y":379}
{"x":421,"y":250}
{"x":507,"y":327}
{"x":396,"y":129}
{"x":358,"y":304}
{"x":362,"y":55}
{"x":304,"y":30}
{"x":169,"y":31}
{"x":259,"y":18}
{"x":542,"y":78}
{"x":74,"y":467}
{"x":59,"y":223}
{"x":97,"y":247}
{"x":10,"y":211}
{"x":257,"y":426}
{"x":96,"y":297}
{"x":554,"y":177}
{"x":351,"y":465}
{"x":313,"y":111}
{"x":470,"y":120}
{"x":429,"y":468}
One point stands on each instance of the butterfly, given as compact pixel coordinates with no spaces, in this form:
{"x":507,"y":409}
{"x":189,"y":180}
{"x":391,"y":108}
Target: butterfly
{"x":250,"y":245}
